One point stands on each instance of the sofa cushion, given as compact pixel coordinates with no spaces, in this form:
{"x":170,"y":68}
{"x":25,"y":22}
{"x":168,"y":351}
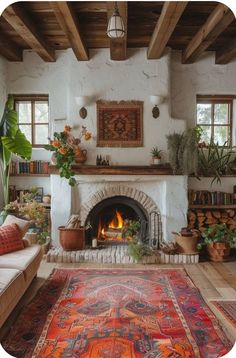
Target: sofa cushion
{"x":10,"y":239}
{"x":12,"y":286}
{"x":21,"y":223}
{"x":26,"y":260}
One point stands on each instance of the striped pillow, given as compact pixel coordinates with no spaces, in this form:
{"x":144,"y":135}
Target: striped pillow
{"x":10,"y":239}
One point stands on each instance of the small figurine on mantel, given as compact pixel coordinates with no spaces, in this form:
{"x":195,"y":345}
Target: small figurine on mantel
{"x":104,"y":161}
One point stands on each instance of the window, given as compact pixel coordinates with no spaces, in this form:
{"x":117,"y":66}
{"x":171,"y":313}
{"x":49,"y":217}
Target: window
{"x":214,"y":116}
{"x":33,"y":117}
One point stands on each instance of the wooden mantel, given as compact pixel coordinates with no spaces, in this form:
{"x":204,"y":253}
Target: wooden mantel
{"x":117,"y":170}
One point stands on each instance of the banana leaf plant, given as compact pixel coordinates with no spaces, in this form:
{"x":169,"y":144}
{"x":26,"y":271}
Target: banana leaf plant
{"x":12,"y":141}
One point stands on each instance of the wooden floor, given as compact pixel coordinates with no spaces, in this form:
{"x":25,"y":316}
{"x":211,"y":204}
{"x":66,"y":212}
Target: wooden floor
{"x":216,"y":281}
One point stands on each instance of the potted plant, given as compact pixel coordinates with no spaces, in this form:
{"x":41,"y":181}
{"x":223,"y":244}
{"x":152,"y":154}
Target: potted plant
{"x":218,"y":239}
{"x":215,"y":160}
{"x":183,"y":151}
{"x":67,"y":151}
{"x":12,"y":141}
{"x":156,"y":155}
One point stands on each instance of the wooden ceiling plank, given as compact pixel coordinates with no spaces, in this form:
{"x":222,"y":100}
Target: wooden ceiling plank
{"x":217,"y":22}
{"x":226,"y":53}
{"x":170,"y":15}
{"x":118,"y":47}
{"x":10,"y":51}
{"x":69,"y":24}
{"x":18,"y":18}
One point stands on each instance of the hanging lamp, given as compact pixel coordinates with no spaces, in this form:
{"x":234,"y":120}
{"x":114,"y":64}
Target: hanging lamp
{"x":116,"y":27}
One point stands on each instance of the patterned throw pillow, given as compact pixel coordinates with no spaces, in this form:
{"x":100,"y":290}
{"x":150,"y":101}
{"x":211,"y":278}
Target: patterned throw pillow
{"x":22,"y":224}
{"x":10,"y":239}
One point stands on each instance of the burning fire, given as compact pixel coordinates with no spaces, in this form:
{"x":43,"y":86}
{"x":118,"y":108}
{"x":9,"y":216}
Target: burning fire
{"x":117,"y":222}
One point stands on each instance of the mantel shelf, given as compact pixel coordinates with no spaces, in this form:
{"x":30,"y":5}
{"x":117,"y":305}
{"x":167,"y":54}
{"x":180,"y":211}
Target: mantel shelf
{"x":117,"y":170}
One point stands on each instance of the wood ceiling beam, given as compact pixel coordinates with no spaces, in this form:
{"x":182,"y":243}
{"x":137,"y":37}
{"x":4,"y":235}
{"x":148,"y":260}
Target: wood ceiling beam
{"x":10,"y":51}
{"x":170,"y":15}
{"x":226,"y":54}
{"x":25,"y":27}
{"x":69,"y":23}
{"x":220,"y":18}
{"x":118,"y":47}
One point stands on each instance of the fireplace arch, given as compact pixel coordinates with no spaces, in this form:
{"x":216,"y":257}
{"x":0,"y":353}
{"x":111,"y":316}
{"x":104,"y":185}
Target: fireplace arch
{"x":114,"y":211}
{"x":141,"y":204}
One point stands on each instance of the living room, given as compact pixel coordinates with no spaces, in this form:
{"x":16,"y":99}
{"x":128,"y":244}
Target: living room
{"x":118,"y":168}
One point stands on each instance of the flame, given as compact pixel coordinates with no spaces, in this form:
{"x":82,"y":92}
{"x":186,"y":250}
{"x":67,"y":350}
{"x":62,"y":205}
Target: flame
{"x":103,"y":231}
{"x":117,"y":222}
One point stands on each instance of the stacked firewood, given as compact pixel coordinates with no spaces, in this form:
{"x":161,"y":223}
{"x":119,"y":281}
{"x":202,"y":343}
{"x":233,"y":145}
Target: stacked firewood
{"x":200,"y":219}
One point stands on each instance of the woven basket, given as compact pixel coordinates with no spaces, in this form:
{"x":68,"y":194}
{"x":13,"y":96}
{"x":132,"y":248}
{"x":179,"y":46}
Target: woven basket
{"x":186,"y":244}
{"x":72,"y":239}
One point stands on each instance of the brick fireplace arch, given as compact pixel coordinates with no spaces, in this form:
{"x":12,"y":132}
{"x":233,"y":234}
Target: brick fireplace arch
{"x":148,"y":205}
{"x":143,"y":199}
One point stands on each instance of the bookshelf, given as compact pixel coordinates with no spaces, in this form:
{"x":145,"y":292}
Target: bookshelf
{"x":203,"y":206}
{"x":29,"y":175}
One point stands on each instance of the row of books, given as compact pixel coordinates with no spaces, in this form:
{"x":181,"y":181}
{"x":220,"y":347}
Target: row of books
{"x":205,"y":197}
{"x":29,"y":167}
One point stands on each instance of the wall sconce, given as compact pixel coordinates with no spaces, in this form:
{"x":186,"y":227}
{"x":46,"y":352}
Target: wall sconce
{"x":81,"y":102}
{"x":156,"y":100}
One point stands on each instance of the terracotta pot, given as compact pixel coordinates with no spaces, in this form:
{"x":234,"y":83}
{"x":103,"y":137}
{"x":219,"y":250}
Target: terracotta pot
{"x":72,"y":239}
{"x":218,"y":251}
{"x":81,"y":158}
{"x":156,"y":160}
{"x":186,"y":244}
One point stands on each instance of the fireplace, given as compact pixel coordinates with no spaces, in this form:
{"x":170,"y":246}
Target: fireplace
{"x":110,"y":219}
{"x":159,"y":201}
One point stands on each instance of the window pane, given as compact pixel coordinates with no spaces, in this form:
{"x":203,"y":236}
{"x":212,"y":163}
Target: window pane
{"x":221,"y":113}
{"x":206,"y":134}
{"x":221,"y":134}
{"x":26,"y":129}
{"x":41,"y":134}
{"x":24,"y":112}
{"x":41,"y":112}
{"x":203,"y":113}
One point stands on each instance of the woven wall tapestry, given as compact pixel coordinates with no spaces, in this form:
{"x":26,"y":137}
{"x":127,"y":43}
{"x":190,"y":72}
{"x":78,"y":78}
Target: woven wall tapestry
{"x":120,"y":124}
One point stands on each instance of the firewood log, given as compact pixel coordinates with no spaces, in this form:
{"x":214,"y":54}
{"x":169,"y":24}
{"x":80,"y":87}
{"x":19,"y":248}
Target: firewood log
{"x":216,"y":214}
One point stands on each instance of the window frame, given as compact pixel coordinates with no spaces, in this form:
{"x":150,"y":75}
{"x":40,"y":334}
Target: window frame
{"x":33,"y":98}
{"x":213,"y":100}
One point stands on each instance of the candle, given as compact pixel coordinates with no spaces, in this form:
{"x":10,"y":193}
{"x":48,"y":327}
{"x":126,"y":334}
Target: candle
{"x":94,"y":243}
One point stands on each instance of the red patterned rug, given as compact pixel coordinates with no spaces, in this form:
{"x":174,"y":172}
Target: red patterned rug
{"x":117,"y":314}
{"x":228,"y":309}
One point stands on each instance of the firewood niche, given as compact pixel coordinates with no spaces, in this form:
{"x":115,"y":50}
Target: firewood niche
{"x":200,"y":218}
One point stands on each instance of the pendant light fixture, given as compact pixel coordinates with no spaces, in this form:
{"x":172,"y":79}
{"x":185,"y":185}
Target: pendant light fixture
{"x":116,"y":27}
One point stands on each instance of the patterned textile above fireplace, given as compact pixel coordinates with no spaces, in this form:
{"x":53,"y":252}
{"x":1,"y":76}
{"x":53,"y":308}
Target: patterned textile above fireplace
{"x":120,"y":124}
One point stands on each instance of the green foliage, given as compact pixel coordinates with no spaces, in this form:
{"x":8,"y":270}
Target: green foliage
{"x":12,"y":141}
{"x":137,"y":250}
{"x":183,"y":151}
{"x":156,"y":153}
{"x":218,"y":233}
{"x":132,"y":228}
{"x":65,"y":159}
{"x":214,"y":160}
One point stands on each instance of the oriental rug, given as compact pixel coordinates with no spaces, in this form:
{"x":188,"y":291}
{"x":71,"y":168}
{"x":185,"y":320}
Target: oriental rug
{"x":101,"y":313}
{"x":228,"y":309}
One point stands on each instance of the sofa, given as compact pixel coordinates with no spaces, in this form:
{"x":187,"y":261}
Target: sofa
{"x":17,"y":270}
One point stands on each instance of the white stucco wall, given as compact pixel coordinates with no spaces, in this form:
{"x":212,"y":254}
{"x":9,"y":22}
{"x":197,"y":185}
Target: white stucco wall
{"x":201,"y":77}
{"x":100,"y":78}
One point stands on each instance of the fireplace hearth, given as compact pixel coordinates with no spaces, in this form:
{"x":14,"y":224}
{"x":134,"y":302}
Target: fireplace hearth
{"x":111,"y":218}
